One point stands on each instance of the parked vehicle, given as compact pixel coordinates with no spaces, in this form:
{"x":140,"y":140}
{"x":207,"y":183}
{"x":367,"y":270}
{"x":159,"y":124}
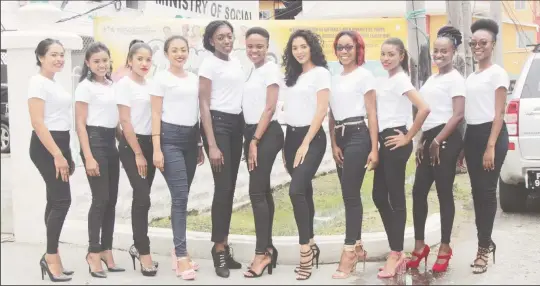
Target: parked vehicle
{"x":519,"y":181}
{"x":4,"y":118}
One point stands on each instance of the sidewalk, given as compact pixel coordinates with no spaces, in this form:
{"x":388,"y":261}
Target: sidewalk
{"x":20,"y":266}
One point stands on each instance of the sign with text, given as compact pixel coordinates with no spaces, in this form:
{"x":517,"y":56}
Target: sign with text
{"x":116,"y":33}
{"x":228,"y":10}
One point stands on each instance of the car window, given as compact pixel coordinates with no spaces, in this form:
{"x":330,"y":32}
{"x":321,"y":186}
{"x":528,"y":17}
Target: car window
{"x":531,"y":87}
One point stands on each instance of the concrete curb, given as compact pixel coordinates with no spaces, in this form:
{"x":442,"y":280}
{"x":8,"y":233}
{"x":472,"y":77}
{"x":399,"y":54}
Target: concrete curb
{"x":199,"y":244}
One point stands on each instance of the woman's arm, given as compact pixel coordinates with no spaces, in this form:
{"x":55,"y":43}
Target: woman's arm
{"x":205,"y":89}
{"x":157,"y":109}
{"x":458,"y":105}
{"x":421,"y":115}
{"x":128,"y":130}
{"x":36,"y":107}
{"x":81,"y":114}
{"x":370,"y":100}
{"x":272,"y":93}
{"x":320,"y":114}
{"x":496,"y":125}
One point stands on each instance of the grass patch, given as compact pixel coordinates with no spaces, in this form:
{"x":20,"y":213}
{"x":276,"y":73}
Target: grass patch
{"x":330,"y":212}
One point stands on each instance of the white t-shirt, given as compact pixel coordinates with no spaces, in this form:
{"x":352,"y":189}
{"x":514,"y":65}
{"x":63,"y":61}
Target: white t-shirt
{"x":254,"y":96}
{"x":58,"y":102}
{"x":137,"y":98}
{"x":180,"y":97}
{"x":438,"y":92}
{"x":227,"y":83}
{"x":394,"y":109}
{"x":102,"y":109}
{"x":480,"y":89}
{"x":347,"y":97}
{"x":301,"y":99}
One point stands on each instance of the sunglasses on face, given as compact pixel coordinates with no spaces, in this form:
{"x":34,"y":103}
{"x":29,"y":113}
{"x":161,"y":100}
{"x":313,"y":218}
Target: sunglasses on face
{"x":348,"y":48}
{"x":481,"y":44}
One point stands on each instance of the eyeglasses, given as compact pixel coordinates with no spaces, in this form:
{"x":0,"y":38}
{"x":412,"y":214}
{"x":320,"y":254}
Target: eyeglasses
{"x":348,"y":48}
{"x":482,"y":44}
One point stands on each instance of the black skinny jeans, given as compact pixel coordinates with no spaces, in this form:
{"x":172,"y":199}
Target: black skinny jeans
{"x":443,"y":175}
{"x":300,"y":188}
{"x":58,"y":191}
{"x":104,"y":187}
{"x":355,"y":143}
{"x":140,"y":205}
{"x":484,"y":183}
{"x":180,"y":152}
{"x":228,"y":130}
{"x":260,"y":191}
{"x":389,"y":188}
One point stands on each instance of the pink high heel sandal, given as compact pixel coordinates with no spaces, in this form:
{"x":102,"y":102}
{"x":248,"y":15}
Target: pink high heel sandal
{"x":189,"y":274}
{"x":401,"y":267}
{"x":194,"y":264}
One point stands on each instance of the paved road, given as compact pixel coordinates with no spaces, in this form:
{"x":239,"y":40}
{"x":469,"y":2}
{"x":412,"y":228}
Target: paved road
{"x":516,"y":235}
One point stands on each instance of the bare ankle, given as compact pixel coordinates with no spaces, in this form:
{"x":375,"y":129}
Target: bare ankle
{"x":419,"y":245}
{"x":219,"y":247}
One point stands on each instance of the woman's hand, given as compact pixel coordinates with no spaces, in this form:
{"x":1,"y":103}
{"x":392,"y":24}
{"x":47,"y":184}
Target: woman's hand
{"x":252,"y":158}
{"x":62,"y":167}
{"x":420,"y":153}
{"x":398,"y":140}
{"x":300,"y":155}
{"x":434,"y":149}
{"x":216,"y":158}
{"x":489,"y":159}
{"x":92,"y":167}
{"x":159,"y":160}
{"x":372,"y":160}
{"x":141,"y":165}
{"x":338,"y":156}
{"x":71,"y":168}
{"x":200,"y":157}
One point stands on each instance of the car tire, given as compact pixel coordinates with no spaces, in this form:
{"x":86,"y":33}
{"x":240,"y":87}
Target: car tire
{"x":5,"y":136}
{"x":513,"y":198}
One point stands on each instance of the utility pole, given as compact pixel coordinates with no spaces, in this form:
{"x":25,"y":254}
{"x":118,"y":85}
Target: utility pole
{"x":467,"y":21}
{"x":495,"y":13}
{"x":455,"y":19}
{"x":418,"y":43}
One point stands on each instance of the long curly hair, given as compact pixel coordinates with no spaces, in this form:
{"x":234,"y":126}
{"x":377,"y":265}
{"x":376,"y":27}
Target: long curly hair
{"x":293,"y":68}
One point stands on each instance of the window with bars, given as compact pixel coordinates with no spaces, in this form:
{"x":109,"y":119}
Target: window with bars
{"x":519,"y":4}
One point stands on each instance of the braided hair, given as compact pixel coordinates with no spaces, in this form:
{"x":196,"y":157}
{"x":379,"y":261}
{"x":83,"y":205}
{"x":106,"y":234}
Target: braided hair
{"x":451,"y":33}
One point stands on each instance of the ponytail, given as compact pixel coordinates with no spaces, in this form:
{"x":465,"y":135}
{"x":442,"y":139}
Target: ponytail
{"x":401,"y":48}
{"x":405,"y":62}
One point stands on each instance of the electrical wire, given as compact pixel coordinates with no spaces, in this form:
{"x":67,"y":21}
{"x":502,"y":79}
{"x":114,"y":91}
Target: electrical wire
{"x":286,"y":12}
{"x":517,"y":26}
{"x":90,"y":11}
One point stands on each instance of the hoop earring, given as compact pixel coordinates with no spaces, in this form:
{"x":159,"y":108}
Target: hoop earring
{"x":89,"y":74}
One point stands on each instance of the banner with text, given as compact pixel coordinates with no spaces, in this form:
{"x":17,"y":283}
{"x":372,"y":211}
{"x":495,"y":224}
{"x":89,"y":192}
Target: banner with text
{"x":116,"y":33}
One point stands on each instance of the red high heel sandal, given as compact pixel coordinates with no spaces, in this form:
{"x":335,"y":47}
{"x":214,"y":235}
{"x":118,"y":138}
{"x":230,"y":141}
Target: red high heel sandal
{"x":419,"y":256}
{"x":441,"y":267}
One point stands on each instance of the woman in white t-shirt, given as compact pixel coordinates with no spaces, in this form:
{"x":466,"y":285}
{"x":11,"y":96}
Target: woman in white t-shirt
{"x":124,"y":70}
{"x":96,"y":117}
{"x":439,"y":148}
{"x":221,"y":83}
{"x":263,"y":139}
{"x":136,"y":150}
{"x":177,"y":141}
{"x":354,"y":145}
{"x":49,"y":106}
{"x":306,"y":105}
{"x":486,"y":138}
{"x":395,"y":94}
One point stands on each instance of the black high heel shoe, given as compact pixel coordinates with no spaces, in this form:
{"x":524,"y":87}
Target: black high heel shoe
{"x":305,"y":269}
{"x":269,"y":265}
{"x":315,"y":260}
{"x":98,"y":274}
{"x":274,"y":256}
{"x":134,"y":253}
{"x":483,"y":255}
{"x":66,"y":272}
{"x":231,"y":263}
{"x":45,"y":269}
{"x":114,"y":268}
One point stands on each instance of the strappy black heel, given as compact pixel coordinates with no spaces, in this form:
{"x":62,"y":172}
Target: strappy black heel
{"x":44,"y":267}
{"x":304,"y":270}
{"x":483,"y":255}
{"x":134,"y":253}
{"x":274,"y":256}
{"x":270,"y":266}
{"x":316,"y":253}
